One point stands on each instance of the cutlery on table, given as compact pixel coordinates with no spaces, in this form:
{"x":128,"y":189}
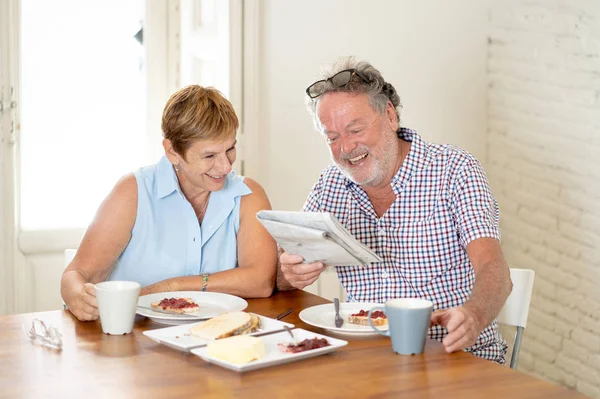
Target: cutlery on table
{"x":293,"y":341}
{"x":260,"y":334}
{"x":167,"y":312}
{"x":283,"y":314}
{"x":338,"y":319}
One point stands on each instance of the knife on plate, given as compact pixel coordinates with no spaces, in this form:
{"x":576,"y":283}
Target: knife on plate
{"x":260,"y":334}
{"x":167,"y":312}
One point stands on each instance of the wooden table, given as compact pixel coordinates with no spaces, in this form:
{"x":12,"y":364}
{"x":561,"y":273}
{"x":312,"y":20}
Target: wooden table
{"x":92,"y":364}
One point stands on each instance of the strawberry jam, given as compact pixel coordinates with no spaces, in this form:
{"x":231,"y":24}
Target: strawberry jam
{"x":378,"y":314}
{"x":176,"y":303}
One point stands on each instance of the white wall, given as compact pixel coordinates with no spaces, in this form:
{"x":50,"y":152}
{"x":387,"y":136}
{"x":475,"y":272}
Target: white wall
{"x":544,"y":141}
{"x":432,"y":51}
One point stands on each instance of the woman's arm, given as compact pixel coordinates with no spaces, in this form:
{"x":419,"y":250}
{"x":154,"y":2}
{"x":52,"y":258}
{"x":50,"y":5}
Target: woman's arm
{"x":103,"y":242}
{"x":257,"y":257}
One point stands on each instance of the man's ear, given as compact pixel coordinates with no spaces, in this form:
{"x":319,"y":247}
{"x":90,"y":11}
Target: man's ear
{"x":390,"y":113}
{"x":170,"y":152}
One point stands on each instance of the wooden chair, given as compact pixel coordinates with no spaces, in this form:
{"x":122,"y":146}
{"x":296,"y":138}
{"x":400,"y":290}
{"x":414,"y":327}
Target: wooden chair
{"x":516,"y":309}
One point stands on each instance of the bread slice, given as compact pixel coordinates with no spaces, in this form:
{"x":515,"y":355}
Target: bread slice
{"x":378,"y":318}
{"x":254,"y":326}
{"x":222,"y":326}
{"x":364,"y":321}
{"x":174,"y":305}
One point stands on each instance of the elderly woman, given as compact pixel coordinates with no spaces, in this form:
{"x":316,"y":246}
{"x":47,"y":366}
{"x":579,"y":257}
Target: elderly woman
{"x":186,"y":223}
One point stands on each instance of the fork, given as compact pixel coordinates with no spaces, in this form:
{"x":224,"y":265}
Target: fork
{"x":294,"y":341}
{"x":338,"y":319}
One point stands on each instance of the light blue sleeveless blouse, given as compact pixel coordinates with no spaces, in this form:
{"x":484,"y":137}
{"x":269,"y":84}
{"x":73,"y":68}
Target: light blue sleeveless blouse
{"x":167,"y":240}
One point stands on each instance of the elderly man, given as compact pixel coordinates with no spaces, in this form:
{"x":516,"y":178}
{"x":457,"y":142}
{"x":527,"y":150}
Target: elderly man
{"x":426,"y":209}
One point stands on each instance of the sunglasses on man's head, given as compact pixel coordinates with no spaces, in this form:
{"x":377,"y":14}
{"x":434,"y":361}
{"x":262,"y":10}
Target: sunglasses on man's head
{"x":340,"y":79}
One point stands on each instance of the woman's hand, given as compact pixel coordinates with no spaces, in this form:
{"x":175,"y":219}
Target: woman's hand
{"x":83,"y":303}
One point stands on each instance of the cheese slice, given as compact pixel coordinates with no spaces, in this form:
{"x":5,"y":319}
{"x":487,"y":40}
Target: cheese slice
{"x":239,"y":349}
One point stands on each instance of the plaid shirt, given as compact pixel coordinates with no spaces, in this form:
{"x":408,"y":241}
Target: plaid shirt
{"x":443,"y":202}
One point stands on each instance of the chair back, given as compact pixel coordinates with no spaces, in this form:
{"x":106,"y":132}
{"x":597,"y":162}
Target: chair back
{"x":516,"y":309}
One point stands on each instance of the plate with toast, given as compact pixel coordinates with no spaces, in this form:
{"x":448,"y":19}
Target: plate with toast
{"x":188,"y":336}
{"x":354,"y":315}
{"x":183,"y":307}
{"x":246,"y":353}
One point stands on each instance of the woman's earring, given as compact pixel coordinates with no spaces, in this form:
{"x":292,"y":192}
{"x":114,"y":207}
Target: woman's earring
{"x":176,"y":168}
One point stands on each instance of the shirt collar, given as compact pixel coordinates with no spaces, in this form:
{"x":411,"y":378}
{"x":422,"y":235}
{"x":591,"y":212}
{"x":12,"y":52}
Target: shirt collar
{"x":167,"y":181}
{"x":414,"y":160}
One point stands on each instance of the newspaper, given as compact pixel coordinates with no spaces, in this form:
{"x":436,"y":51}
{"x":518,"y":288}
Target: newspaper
{"x":316,"y":236}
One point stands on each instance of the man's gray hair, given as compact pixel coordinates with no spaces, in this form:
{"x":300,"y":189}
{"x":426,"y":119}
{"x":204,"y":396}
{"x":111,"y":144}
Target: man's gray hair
{"x":375,"y":87}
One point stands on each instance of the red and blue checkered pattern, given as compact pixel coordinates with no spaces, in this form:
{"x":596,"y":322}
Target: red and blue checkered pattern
{"x":443,"y":202}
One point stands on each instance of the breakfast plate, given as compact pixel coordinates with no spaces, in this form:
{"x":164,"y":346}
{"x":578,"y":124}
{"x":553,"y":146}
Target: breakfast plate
{"x":273,"y":354}
{"x":211,"y":304}
{"x":179,"y":337}
{"x":323,"y":316}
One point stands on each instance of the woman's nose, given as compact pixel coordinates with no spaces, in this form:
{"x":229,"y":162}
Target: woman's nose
{"x":223,"y":165}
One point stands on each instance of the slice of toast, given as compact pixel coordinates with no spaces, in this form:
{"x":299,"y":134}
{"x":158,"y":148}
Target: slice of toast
{"x":364,"y":321}
{"x":175,"y":305}
{"x":222,"y":326}
{"x":254,"y":326}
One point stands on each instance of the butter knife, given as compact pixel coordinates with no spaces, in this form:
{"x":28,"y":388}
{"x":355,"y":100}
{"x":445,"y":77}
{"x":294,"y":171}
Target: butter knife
{"x":259,"y":334}
{"x":338,"y":319}
{"x":188,"y":315}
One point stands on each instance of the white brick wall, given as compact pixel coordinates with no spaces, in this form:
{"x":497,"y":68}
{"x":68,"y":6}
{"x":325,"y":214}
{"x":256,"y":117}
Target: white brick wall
{"x":544,"y":167}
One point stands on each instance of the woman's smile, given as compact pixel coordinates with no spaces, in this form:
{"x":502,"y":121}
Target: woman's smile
{"x":216,"y":178}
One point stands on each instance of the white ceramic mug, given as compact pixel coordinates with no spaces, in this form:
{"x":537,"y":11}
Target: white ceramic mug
{"x":117,"y":303}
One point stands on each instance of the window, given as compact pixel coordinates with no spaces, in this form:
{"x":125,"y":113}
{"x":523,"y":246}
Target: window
{"x":205,"y":43}
{"x":83,"y":102}
{"x":95,"y":76}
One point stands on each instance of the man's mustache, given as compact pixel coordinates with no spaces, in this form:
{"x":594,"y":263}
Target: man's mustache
{"x":356,"y":152}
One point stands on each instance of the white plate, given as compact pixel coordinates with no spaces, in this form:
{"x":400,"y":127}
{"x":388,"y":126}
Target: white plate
{"x":323,"y":316}
{"x":211,"y":304}
{"x":179,"y":337}
{"x":273,"y":355}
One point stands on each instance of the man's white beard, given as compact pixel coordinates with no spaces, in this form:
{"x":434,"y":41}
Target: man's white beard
{"x":380,"y":166}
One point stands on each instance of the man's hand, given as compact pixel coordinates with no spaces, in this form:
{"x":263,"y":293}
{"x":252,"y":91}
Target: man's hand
{"x":462,"y":324}
{"x":84,"y":305}
{"x":298,"y":274}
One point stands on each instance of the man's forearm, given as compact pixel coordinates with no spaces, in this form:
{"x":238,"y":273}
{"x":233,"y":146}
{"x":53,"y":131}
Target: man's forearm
{"x":282,"y":283}
{"x":492,"y":287}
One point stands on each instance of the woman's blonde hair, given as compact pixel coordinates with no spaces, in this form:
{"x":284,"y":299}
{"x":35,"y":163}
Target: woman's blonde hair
{"x":194,"y":113}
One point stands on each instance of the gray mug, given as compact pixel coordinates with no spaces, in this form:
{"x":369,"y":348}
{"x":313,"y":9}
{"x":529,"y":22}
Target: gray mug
{"x":408,"y":320}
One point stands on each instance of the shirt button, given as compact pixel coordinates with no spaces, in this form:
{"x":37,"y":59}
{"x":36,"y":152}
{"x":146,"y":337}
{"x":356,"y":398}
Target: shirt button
{"x":381,"y":232}
{"x":384,"y":274}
